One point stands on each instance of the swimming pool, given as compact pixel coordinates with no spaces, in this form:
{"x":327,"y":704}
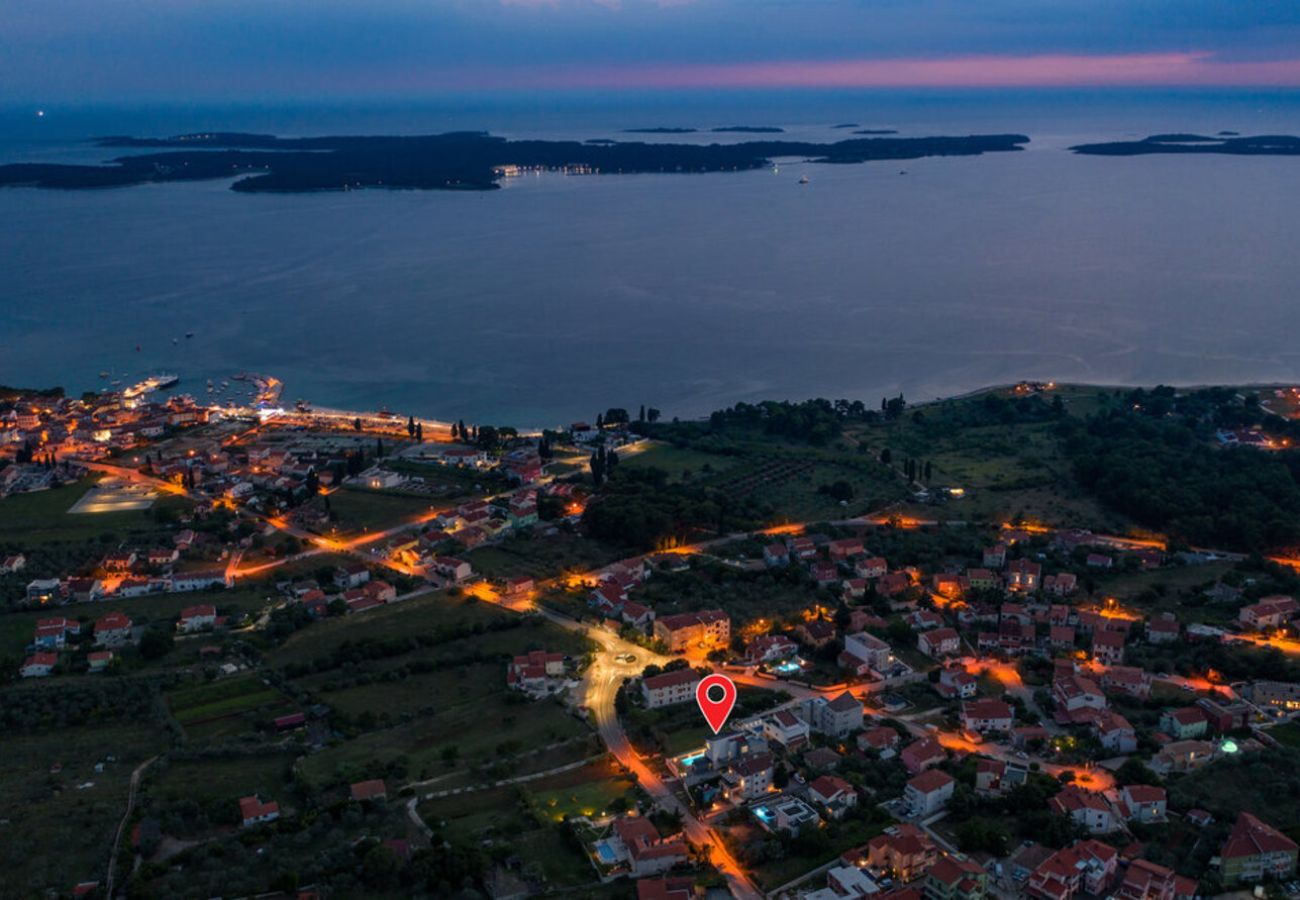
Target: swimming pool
{"x":606,"y":853}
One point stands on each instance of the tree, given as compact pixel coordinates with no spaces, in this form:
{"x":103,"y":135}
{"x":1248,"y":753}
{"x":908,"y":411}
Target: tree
{"x":379,"y":448}
{"x":156,"y":643}
{"x":927,"y":471}
{"x":410,"y":426}
{"x":381,"y":867}
{"x":886,"y":456}
{"x":312,"y":483}
{"x":652,"y":415}
{"x":356,"y":424}
{"x":641,"y":415}
{"x":419,"y":432}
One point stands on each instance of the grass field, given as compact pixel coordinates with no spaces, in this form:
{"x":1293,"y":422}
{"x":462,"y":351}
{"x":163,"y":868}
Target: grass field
{"x":681,"y":463}
{"x":359,"y":510}
{"x":43,"y":518}
{"x":541,"y":557}
{"x":587,"y":791}
{"x":58,"y":828}
{"x":221,"y":780}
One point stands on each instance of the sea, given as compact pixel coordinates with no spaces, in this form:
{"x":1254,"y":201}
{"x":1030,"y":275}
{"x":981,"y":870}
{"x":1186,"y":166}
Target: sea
{"x":560,"y":296}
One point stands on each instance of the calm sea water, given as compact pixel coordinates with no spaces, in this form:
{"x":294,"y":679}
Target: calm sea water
{"x":560,"y":296}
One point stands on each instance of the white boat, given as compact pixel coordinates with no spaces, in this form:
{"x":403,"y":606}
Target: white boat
{"x":803,"y":179}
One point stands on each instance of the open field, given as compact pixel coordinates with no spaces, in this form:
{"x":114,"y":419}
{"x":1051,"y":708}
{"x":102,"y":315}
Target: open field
{"x":209,"y":781}
{"x":587,"y":791}
{"x":57,"y":827}
{"x":359,"y":510}
{"x":681,"y":463}
{"x":43,"y":517}
{"x":541,"y":557}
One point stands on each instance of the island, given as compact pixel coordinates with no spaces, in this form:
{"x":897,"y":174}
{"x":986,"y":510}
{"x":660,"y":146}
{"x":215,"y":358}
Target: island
{"x":462,"y":160}
{"x":750,"y":129}
{"x":1257,"y":145}
{"x":877,"y":131}
{"x":660,"y":130}
{"x":846,"y":125}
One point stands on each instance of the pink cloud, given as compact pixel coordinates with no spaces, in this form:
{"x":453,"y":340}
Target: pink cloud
{"x":1047,"y":70}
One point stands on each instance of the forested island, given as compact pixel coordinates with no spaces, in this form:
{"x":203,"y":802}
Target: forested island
{"x":1224,"y":142}
{"x":453,"y":161}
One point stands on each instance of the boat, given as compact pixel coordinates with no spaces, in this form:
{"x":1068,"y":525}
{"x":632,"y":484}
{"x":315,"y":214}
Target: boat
{"x":189,"y":334}
{"x":803,"y":179}
{"x":103,"y":374}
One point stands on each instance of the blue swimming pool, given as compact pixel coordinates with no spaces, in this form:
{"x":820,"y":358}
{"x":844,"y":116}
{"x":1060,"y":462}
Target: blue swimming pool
{"x":605,"y":853}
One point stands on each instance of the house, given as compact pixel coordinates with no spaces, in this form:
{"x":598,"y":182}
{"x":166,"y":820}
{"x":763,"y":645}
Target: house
{"x":874,"y":567}
{"x":882,"y":739}
{"x":1023,"y":575}
{"x":786,"y":814}
{"x":162,"y":556}
{"x":833,"y":793}
{"x":1061,"y":637}
{"x":1085,"y":869}
{"x":351,"y":575}
{"x":51,"y":634}
{"x":707,"y":629}
{"x":99,"y":660}
{"x":1087,"y":808}
{"x":1073,"y":693}
{"x":669,"y":688}
{"x":824,"y":573}
{"x":39,"y":665}
{"x":1255,"y":851}
{"x":86,"y":590}
{"x":199,"y":581}
{"x":1062,"y":584}
{"x":289,"y":722}
{"x":956,"y":683}
{"x":113,"y":630}
{"x":252,"y":811}
{"x":1184,"y":756}
{"x":817,"y":633}
{"x":373,"y":789}
{"x":956,"y":877}
{"x":982,"y":579}
{"x":986,"y":715}
{"x":196,"y":618}
{"x":43,"y":591}
{"x":844,"y":882}
{"x":995,"y":557}
{"x":1184,"y":723}
{"x":925,"y":619}
{"x":988,"y":776}
{"x":786,"y":729}
{"x":1098,"y":561}
{"x":922,"y":754}
{"x":637,"y":841}
{"x":863,"y":650}
{"x":927,"y":793}
{"x":1108,"y":647}
{"x":770,"y":648}
{"x":681,"y":887}
{"x":845,"y":548}
{"x":453,"y":569}
{"x":1114,"y":732}
{"x":1142,"y":803}
{"x":1163,"y":629}
{"x":1129,"y":680}
{"x":748,"y":777}
{"x":12,"y":564}
{"x":822,"y":759}
{"x":120,"y":561}
{"x":531,"y":671}
{"x":892,"y":584}
{"x":776,"y":555}
{"x":1267,"y":614}
{"x":1280,"y":694}
{"x":377,"y":479}
{"x":947,"y":585}
{"x":519,"y":586}
{"x":837,"y":717}
{"x":1224,"y":715}
{"x":904,"y":852}
{"x":1145,"y":880}
{"x":939,"y":642}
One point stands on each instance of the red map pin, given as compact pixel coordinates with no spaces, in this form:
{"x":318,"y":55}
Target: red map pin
{"x":716,"y":695}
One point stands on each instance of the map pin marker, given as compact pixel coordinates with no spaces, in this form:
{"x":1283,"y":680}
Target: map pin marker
{"x":716,"y":695}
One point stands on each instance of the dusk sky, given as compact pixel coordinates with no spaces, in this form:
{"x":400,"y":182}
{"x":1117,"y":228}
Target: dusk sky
{"x":60,"y":50}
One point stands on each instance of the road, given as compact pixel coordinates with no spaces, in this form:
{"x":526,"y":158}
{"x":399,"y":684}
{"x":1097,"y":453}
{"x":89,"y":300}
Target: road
{"x":121,"y":826}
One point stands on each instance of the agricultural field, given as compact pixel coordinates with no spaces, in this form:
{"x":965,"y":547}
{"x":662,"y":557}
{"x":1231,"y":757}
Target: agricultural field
{"x":226,"y":707}
{"x":681,"y":463}
{"x":75,"y":809}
